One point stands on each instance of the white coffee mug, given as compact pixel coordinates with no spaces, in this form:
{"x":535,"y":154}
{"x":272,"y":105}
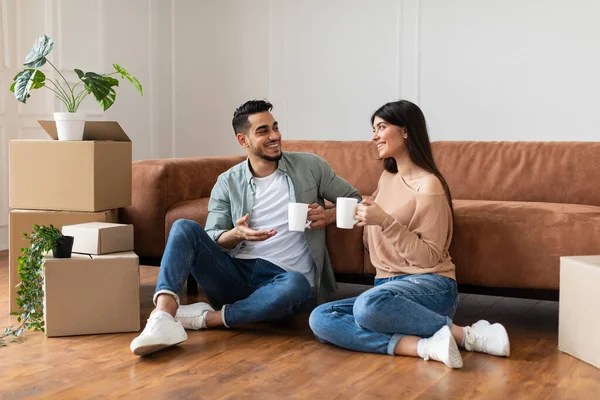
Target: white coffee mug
{"x":298,"y":217}
{"x":345,"y":210}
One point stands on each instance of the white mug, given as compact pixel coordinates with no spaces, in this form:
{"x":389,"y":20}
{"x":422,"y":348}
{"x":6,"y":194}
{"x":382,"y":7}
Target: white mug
{"x":345,"y":210}
{"x":298,"y":217}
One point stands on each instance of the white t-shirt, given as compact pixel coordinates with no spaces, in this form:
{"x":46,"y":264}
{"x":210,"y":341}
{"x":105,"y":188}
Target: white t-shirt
{"x":286,"y":249}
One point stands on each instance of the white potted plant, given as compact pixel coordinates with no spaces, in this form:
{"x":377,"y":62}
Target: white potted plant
{"x":70,"y":124}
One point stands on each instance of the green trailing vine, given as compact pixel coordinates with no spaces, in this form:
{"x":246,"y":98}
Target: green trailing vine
{"x":30,"y":296}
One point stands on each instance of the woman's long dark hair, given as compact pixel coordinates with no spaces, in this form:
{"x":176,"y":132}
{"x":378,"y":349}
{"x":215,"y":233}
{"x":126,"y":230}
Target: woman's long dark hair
{"x":407,"y":115}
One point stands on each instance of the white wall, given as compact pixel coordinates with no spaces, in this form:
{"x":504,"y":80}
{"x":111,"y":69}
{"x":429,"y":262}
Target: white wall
{"x":479,"y":69}
{"x":511,"y":70}
{"x":221,"y":59}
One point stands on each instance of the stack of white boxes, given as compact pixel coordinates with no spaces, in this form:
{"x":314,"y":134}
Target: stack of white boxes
{"x":64,"y":183}
{"x":97,"y":289}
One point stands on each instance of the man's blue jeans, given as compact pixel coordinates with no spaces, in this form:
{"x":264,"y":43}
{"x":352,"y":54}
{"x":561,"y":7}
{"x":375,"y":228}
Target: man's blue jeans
{"x":247,"y":290}
{"x":375,"y":321}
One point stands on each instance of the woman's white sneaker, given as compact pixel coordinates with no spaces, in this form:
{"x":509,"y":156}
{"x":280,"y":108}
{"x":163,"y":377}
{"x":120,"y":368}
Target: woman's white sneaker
{"x":487,"y":338}
{"x":441,"y":347}
{"x":161,"y":331}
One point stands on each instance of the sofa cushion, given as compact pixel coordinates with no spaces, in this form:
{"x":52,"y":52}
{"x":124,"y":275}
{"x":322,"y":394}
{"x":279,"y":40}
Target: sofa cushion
{"x":147,"y":210}
{"x":518,"y":244}
{"x":368,"y":269}
{"x":157,"y":185}
{"x":345,"y":247}
{"x":521,"y":171}
{"x":196,"y":210}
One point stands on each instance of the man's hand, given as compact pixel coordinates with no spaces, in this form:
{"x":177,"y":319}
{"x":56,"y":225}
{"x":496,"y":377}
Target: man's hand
{"x":369,"y":213}
{"x":242,"y":232}
{"x":316,"y":214}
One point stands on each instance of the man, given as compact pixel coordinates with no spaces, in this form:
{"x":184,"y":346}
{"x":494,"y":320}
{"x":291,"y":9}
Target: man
{"x":250,"y":266}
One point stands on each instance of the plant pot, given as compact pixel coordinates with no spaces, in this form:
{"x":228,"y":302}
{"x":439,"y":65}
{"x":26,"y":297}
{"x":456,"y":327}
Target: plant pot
{"x":69,"y":126}
{"x":63,"y":247}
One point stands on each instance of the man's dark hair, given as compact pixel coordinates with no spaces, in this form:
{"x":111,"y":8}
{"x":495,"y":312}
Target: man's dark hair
{"x":240,"y":115}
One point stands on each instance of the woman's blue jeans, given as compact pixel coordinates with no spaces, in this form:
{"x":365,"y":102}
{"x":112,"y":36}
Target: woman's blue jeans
{"x":375,"y":321}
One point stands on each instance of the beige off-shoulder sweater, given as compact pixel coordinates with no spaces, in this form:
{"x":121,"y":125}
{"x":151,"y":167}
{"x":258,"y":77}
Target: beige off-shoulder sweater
{"x":416,"y":237}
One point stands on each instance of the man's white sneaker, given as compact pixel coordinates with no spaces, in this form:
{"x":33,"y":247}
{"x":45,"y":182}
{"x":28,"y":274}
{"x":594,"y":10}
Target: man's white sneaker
{"x":161,"y":331}
{"x":193,"y":316}
{"x":487,"y":338}
{"x":441,"y":347}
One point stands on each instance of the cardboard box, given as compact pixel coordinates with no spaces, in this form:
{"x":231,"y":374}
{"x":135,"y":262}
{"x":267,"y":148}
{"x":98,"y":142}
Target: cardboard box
{"x":89,"y":175}
{"x":23,"y":220}
{"x":579,"y":319}
{"x":92,"y":294}
{"x":100,"y":237}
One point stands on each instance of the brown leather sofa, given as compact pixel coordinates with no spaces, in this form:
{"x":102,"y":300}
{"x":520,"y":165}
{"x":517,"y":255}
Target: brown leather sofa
{"x":518,"y":206}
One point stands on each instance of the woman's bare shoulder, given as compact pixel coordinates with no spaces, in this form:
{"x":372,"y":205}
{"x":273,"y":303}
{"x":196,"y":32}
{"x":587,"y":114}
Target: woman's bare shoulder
{"x":431,"y":185}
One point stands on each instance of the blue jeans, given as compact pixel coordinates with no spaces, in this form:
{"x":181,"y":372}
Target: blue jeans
{"x":375,"y":321}
{"x":247,"y":290}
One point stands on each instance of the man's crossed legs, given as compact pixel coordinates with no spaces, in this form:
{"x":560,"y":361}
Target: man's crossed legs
{"x":242,"y":291}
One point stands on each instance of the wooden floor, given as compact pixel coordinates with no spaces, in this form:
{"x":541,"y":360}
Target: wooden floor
{"x":285,"y":361}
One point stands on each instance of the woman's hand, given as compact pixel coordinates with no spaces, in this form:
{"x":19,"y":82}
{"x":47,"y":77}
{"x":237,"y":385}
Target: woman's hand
{"x":369,"y":213}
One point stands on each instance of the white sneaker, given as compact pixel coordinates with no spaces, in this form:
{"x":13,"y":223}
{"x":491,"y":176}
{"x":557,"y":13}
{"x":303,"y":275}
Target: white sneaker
{"x":192,"y":316}
{"x":441,"y":347}
{"x":486,"y":338}
{"x":161,"y":331}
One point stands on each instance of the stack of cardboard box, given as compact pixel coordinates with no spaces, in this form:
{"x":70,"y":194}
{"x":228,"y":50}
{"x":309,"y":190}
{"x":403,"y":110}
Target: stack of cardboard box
{"x":97,"y":289}
{"x":64,"y":183}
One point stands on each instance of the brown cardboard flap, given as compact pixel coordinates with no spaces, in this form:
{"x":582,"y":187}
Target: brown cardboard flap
{"x":94,"y":130}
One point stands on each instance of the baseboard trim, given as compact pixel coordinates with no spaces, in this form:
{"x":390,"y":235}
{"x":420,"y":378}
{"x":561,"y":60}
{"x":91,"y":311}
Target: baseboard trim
{"x":537,"y":294}
{"x":357,"y":279}
{"x":150,"y":261}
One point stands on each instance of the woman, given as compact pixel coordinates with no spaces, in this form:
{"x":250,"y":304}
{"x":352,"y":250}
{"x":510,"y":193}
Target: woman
{"x":408,"y":230}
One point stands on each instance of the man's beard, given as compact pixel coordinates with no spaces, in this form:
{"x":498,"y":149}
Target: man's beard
{"x":269,"y":158}
{"x":262,"y":155}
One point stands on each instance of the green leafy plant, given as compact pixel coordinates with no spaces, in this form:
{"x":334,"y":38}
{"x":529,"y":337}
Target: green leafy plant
{"x":101,"y":86}
{"x":31,"y":291}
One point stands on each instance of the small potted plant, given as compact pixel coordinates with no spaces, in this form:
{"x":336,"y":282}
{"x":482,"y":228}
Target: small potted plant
{"x":70,"y":124}
{"x":30,"y":298}
{"x":61,"y":245}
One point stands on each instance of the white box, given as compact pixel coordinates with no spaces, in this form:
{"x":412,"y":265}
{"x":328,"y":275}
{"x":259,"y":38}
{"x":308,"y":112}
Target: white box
{"x":100,"y":237}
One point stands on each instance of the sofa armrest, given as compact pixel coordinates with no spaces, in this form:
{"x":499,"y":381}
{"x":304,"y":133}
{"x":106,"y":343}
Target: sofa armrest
{"x":159,"y":184}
